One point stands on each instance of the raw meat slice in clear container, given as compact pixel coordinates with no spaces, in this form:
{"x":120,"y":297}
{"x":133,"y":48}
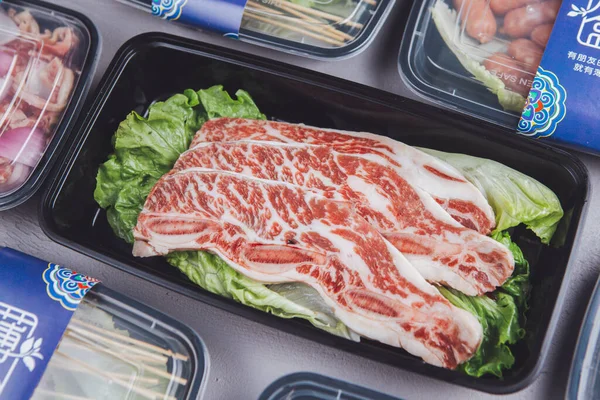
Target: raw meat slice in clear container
{"x":41,"y":56}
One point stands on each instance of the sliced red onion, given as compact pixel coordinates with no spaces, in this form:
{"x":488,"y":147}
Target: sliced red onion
{"x":9,"y":30}
{"x":17,"y":179}
{"x":4,"y":86}
{"x":37,"y":86}
{"x":6,"y":61}
{"x":23,"y":145}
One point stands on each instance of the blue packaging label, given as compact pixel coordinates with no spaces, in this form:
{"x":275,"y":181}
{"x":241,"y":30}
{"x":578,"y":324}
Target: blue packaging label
{"x":562,"y":102}
{"x":37,"y":301}
{"x":221,"y":16}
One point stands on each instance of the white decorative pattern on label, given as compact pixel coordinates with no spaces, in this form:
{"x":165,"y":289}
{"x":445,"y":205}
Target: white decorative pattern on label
{"x":17,"y":342}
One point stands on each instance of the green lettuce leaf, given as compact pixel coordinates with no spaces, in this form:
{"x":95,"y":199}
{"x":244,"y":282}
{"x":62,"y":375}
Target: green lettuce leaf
{"x":217,"y":103}
{"x":470,"y":53}
{"x":287,"y":300}
{"x":517,"y":285}
{"x":502,"y":318}
{"x":515,"y":197}
{"x":145,"y":150}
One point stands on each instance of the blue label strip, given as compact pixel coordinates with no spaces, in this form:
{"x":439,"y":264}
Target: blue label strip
{"x":562,"y":104}
{"x":37,"y":301}
{"x":221,"y":16}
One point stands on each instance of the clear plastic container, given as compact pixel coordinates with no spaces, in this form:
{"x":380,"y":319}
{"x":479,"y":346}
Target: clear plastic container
{"x":309,"y":386}
{"x":116,"y":348}
{"x":584,"y":381}
{"x":315,"y":28}
{"x":477,"y":56}
{"x":46,"y":55}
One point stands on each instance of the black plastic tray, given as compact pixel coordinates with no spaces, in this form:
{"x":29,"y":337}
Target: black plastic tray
{"x":371,"y":21}
{"x":198,"y":362}
{"x":309,"y":386}
{"x":70,"y":114}
{"x":431,"y":69}
{"x":154,"y":66}
{"x":583,"y":379}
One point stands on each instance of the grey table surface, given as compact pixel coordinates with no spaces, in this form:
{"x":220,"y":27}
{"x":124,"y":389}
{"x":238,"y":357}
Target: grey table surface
{"x":246,"y":356}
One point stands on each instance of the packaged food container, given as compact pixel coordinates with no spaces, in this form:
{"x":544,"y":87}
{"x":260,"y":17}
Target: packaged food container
{"x":583,"y":381}
{"x":135,"y":79}
{"x":47,"y":58}
{"x":476,"y":56}
{"x":327,"y":29}
{"x":64,"y":335}
{"x":305,"y":385}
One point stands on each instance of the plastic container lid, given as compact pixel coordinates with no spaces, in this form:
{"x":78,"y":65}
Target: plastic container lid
{"x":477,"y":56}
{"x":46,"y":56}
{"x":315,"y":28}
{"x":584,"y":381}
{"x":305,"y":386}
{"x":116,"y":348}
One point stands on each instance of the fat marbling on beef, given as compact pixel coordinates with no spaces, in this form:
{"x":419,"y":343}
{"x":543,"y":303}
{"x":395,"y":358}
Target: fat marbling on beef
{"x":277,"y":232}
{"x":441,"y":249}
{"x":461,"y":199}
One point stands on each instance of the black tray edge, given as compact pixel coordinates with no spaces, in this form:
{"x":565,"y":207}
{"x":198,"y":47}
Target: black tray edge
{"x":347,"y":387}
{"x":300,"y":74}
{"x":197,"y":346}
